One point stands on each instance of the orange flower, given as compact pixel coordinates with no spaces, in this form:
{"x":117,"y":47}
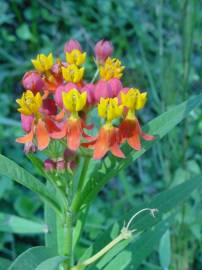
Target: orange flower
{"x":41,"y":125}
{"x":74,"y":102}
{"x":108,"y":140}
{"x":130,"y":129}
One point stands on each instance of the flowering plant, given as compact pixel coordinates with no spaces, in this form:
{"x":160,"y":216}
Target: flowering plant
{"x":87,"y":131}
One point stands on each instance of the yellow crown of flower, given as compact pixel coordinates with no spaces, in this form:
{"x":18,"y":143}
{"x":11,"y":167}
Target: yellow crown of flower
{"x":72,"y":73}
{"x":133,"y":99}
{"x":109,"y":109}
{"x":74,"y":101}
{"x":75,"y":57}
{"x":29,"y":104}
{"x":42,"y":62}
{"x":111,"y":69}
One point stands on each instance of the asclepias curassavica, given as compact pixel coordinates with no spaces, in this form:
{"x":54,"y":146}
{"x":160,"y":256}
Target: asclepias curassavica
{"x":74,"y":121}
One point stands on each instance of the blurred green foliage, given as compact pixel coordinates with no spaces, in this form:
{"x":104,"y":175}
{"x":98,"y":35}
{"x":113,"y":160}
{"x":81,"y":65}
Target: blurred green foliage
{"x":159,"y":42}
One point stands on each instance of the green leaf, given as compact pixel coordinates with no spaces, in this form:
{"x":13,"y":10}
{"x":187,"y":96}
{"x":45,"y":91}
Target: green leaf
{"x":165,"y":250}
{"x":111,"y":166}
{"x":4,"y":264}
{"x":23,"y":32}
{"x":120,"y":262}
{"x":31,"y":258}
{"x":14,"y":224}
{"x":51,"y":264}
{"x":164,"y":202}
{"x":15,"y":172}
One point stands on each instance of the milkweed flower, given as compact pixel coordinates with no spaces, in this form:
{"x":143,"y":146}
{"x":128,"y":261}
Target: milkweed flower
{"x":39,"y":125}
{"x":108,"y":138}
{"x":130,"y":129}
{"x":72,"y":73}
{"x":74,"y":102}
{"x":58,"y":102}
{"x":75,"y":57}
{"x":42,"y":62}
{"x":112,"y":68}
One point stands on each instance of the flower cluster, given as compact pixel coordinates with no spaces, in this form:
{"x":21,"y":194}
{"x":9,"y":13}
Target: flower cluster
{"x":57,"y":101}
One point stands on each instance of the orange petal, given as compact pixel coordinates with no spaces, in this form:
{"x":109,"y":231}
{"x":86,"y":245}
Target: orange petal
{"x":134,"y":142}
{"x":59,"y":134}
{"x":27,"y":138}
{"x":116,"y":151}
{"x":42,"y":135}
{"x":102,"y":144}
{"x":74,"y":132}
{"x":59,"y":116}
{"x":147,"y":137}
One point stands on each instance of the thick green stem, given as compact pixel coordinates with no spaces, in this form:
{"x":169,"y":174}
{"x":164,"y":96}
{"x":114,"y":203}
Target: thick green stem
{"x":68,"y":241}
{"x":77,"y":198}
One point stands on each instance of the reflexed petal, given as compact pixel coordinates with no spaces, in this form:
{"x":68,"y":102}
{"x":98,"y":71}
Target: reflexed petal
{"x":42,"y":135}
{"x":27,"y":138}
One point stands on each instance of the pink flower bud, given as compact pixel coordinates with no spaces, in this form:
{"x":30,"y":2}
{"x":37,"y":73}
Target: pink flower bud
{"x":71,"y":45}
{"x":49,"y":165}
{"x":90,"y":89}
{"x":103,"y":49}
{"x":116,"y":86}
{"x":26,"y":122}
{"x":69,"y":154}
{"x":60,"y":89}
{"x":29,"y":147}
{"x":102,"y":89}
{"x":32,"y":81}
{"x":60,"y":165}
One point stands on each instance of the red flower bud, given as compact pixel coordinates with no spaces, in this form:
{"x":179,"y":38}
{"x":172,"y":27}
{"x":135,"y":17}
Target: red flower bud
{"x":116,"y":86}
{"x":102,"y":50}
{"x":71,"y":45}
{"x":102,"y":89}
{"x":49,"y":165}
{"x":90,"y":89}
{"x":32,"y":81}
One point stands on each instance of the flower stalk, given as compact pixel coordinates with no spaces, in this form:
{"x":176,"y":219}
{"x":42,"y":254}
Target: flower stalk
{"x":125,"y":234}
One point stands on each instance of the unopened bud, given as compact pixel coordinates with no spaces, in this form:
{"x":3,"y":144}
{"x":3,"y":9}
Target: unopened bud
{"x":49,"y":165}
{"x":32,"y":81}
{"x":60,"y":165}
{"x":71,"y":45}
{"x":69,"y":154}
{"x":29,"y":147}
{"x":103,"y":49}
{"x":71,"y":165}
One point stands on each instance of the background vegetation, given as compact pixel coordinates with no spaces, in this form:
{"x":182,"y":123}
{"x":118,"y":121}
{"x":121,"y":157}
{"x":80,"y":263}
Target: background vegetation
{"x":159,"y":42}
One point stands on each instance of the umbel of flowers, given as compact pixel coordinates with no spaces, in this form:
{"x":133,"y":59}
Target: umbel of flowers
{"x":58,"y":101}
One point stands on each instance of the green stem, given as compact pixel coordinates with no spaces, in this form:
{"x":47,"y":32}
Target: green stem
{"x":68,"y":240}
{"x":95,"y":76}
{"x":76,"y":200}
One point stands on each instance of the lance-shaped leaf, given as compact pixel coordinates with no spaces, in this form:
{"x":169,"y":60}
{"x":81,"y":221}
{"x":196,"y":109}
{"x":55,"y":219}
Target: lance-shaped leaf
{"x":110,"y":167}
{"x":14,"y":224}
{"x":31,"y":258}
{"x":12,"y":170}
